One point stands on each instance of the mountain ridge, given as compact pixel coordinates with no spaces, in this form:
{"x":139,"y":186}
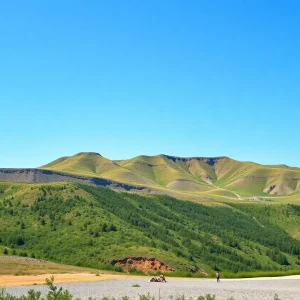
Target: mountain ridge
{"x":193,"y":175}
{"x":181,"y":177}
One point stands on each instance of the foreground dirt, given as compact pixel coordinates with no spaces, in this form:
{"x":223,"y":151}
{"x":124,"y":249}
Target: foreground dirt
{"x":12,"y":280}
{"x":245,"y":289}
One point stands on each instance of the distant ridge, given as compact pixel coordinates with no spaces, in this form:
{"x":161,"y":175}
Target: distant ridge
{"x":47,"y":176}
{"x":195,"y":175}
{"x":186,"y":177}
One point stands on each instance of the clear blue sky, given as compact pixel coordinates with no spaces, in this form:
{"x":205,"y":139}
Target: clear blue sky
{"x":123,"y":78}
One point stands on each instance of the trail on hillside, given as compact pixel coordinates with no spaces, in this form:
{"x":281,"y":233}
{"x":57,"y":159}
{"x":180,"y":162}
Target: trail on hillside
{"x":232,"y":192}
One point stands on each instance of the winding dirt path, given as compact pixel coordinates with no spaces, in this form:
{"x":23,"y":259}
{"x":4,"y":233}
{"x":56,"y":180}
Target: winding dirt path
{"x":230,"y":191}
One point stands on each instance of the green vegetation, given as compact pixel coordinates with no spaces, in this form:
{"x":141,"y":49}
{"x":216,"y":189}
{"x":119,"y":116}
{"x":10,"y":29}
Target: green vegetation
{"x":192,"y":178}
{"x":260,"y":274}
{"x":89,"y":226}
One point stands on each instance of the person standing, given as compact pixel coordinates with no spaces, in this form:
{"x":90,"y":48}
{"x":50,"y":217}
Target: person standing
{"x":218,"y":276}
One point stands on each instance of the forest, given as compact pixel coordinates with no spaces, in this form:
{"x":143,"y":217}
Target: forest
{"x":91,"y":226}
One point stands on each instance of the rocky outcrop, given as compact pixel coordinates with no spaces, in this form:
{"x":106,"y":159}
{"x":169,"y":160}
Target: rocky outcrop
{"x":208,"y":160}
{"x":47,"y":176}
{"x":142,"y":263}
{"x":279,"y":189}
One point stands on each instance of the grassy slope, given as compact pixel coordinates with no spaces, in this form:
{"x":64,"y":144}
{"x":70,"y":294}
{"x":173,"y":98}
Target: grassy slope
{"x":93,"y":164}
{"x":15,"y":266}
{"x":192,"y":176}
{"x":286,"y":216}
{"x":89,"y":226}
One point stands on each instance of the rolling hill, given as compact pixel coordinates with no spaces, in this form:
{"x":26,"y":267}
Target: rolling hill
{"x":194,"y":177}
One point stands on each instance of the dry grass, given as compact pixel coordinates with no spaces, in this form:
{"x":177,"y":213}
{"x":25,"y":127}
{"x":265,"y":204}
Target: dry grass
{"x":12,"y":280}
{"x":15,"y":272}
{"x":17,"y":267}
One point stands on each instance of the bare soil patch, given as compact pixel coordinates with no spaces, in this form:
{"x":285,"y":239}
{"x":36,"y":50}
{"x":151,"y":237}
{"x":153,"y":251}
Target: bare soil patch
{"x":142,"y":263}
{"x":12,"y":280}
{"x":18,"y":271}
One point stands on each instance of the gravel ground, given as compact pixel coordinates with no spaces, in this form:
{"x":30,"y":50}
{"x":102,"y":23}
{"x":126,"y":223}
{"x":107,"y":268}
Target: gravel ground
{"x":240,"y":289}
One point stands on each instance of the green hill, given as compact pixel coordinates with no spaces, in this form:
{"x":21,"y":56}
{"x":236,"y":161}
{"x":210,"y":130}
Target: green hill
{"x":93,"y":164}
{"x":91,"y":226}
{"x":217,"y":178}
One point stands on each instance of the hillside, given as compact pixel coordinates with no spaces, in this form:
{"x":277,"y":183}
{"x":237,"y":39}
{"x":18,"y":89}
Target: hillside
{"x":46,"y":176}
{"x":18,"y":265}
{"x":94,"y":227}
{"x":219,"y":177}
{"x":93,"y":164}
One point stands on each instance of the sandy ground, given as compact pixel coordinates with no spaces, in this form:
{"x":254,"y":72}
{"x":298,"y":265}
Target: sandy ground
{"x":12,"y":280}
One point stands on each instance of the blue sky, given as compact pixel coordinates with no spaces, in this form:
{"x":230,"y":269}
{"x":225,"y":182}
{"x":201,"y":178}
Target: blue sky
{"x":123,"y":78}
